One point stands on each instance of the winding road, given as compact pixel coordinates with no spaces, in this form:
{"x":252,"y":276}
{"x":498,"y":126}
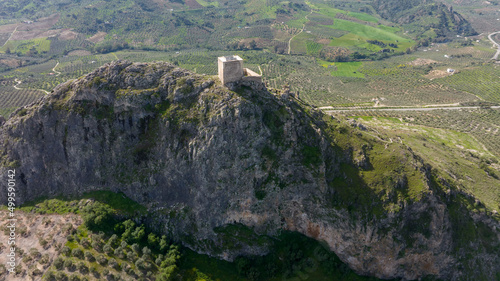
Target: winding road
{"x":495,"y":57}
{"x":19,"y":82}
{"x":54,"y":69}
{"x":303,"y":26}
{"x":329,"y":111}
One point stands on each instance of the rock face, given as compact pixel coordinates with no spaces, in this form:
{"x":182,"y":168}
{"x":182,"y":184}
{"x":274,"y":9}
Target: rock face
{"x":445,"y":22}
{"x":207,"y":160}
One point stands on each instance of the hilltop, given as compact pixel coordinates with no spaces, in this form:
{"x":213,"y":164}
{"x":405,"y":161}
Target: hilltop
{"x":222,"y":171}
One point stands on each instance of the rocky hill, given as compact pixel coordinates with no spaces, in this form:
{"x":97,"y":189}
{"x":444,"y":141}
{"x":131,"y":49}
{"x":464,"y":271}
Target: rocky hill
{"x":425,"y":17}
{"x":220,"y":168}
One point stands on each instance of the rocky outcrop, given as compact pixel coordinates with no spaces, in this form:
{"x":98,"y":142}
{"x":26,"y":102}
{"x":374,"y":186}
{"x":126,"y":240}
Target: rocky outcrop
{"x":208,"y":161}
{"x":417,"y":14}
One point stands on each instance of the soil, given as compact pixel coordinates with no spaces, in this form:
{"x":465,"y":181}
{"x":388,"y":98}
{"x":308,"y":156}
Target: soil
{"x":437,"y":74}
{"x":41,"y":24}
{"x":420,"y":61}
{"x":32,"y":230}
{"x":32,"y":34}
{"x":79,"y":53}
{"x":10,"y":62}
{"x":8,"y":28}
{"x":68,"y":34}
{"x":324,"y":41}
{"x":193,"y":4}
{"x":98,"y":37}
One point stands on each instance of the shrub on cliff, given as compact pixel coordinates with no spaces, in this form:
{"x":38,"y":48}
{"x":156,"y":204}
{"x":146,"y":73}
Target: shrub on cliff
{"x":98,"y":216}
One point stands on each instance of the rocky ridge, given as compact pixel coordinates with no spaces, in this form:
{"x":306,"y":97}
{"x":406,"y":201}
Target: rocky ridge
{"x":212,"y":163}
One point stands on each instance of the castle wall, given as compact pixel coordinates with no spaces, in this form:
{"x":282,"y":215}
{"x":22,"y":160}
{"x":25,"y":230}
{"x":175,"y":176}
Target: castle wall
{"x":230,"y":70}
{"x":250,"y":75}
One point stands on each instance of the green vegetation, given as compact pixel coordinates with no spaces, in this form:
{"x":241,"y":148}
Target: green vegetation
{"x":31,"y":47}
{"x":474,"y":168}
{"x":291,"y":256}
{"x":367,"y":32}
{"x":110,"y":245}
{"x":343,"y":69}
{"x":62,"y":205}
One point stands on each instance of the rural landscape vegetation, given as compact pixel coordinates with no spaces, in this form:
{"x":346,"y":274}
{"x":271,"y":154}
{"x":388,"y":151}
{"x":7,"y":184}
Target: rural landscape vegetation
{"x":425,"y":74}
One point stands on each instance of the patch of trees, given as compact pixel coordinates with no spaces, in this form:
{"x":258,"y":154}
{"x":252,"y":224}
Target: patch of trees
{"x":294,"y":257}
{"x":110,"y":46}
{"x":141,"y":252}
{"x":335,"y":54}
{"x":252,"y":45}
{"x":378,"y":43}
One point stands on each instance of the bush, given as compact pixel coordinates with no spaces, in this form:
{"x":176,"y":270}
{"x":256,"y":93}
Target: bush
{"x":136,"y":248}
{"x":77,"y":253}
{"x":59,"y":263}
{"x":50,"y":276}
{"x":93,"y":270}
{"x":107,"y":249}
{"x":113,"y":263}
{"x":131,"y":256}
{"x":45,"y":259}
{"x":105,"y":272}
{"x":97,"y":245}
{"x":140,"y":263}
{"x":146,"y":252}
{"x":113,"y":240}
{"x":66,"y":251}
{"x":61,"y":276}
{"x":74,"y":278}
{"x":68,"y":264}
{"x":85,"y":242}
{"x":101,"y":259}
{"x":89,"y":256}
{"x":98,"y":216}
{"x":159,"y":259}
{"x":82,"y":267}
{"x":166,"y":274}
{"x":119,"y":252}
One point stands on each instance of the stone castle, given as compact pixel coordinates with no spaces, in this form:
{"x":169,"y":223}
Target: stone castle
{"x":231,"y":70}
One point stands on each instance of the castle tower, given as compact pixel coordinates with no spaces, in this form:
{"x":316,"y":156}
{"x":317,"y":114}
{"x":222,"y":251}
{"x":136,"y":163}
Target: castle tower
{"x":230,"y":69}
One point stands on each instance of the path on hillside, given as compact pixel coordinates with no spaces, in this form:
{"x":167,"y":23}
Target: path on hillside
{"x":19,"y":83}
{"x":303,"y":26}
{"x":495,"y":57}
{"x":15,"y":29}
{"x":54,"y":69}
{"x":328,"y":111}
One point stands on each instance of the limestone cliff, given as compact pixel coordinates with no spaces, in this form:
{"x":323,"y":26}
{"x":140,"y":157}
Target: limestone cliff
{"x":211,"y":163}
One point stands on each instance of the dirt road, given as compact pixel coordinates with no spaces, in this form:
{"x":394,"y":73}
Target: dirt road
{"x":407,"y":109}
{"x":495,"y":57}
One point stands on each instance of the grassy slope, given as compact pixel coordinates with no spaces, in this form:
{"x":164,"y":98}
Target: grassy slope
{"x":456,"y":155}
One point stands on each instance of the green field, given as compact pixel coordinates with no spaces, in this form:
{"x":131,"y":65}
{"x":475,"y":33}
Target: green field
{"x":343,"y":69}
{"x":41,"y":45}
{"x":208,"y":3}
